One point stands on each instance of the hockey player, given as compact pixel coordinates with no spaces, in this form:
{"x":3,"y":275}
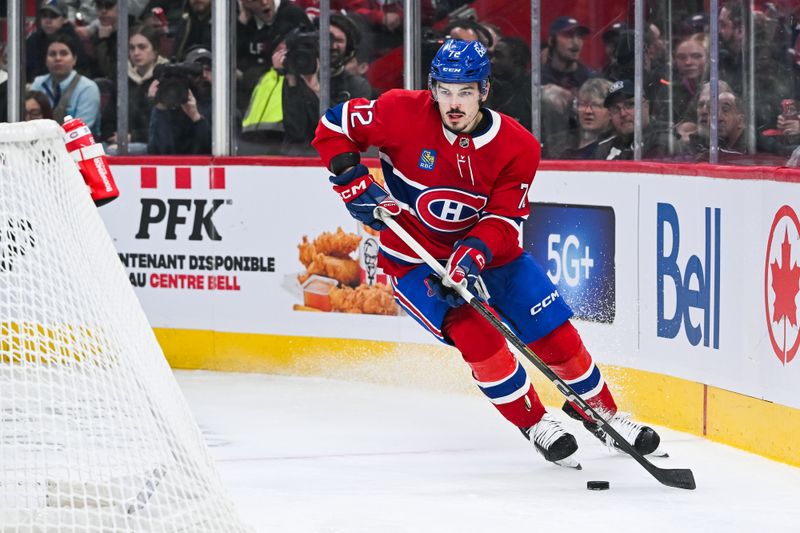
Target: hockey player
{"x":459,"y":175}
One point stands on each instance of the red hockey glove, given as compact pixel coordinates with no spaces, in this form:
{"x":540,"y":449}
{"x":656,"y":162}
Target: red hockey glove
{"x":470,"y":256}
{"x":362,"y":196}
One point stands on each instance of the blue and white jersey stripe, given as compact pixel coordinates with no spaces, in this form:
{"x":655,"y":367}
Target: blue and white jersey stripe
{"x":334,"y":117}
{"x":589,"y":384}
{"x":507,"y":389}
{"x":415,"y":313}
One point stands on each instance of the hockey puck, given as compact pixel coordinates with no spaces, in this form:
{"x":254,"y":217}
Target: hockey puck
{"x":597,"y":485}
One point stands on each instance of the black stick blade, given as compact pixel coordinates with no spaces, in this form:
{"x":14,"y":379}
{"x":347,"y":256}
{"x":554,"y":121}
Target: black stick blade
{"x":679,"y":478}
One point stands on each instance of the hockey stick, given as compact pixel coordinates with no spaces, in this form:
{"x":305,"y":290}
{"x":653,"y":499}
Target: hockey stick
{"x":681,"y":478}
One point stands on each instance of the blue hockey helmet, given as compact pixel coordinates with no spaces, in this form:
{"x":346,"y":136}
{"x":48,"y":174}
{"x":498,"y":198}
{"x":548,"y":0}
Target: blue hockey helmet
{"x":460,"y":61}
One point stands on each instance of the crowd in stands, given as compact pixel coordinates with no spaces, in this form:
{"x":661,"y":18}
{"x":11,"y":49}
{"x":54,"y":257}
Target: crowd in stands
{"x":586,"y":111}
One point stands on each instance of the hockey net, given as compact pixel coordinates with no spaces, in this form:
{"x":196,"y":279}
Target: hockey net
{"x":94,"y":432}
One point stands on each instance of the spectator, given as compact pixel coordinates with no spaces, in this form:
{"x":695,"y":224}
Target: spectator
{"x":379,"y":15}
{"x":51,"y":21}
{"x":730,"y":126}
{"x":731,"y":45}
{"x":562,"y":75}
{"x":511,"y":84}
{"x":104,"y":40}
{"x":143,"y":58}
{"x":358,"y":65}
{"x":611,"y":38}
{"x":301,"y":91}
{"x":594,"y":123}
{"x":563,"y":66}
{"x":621,"y":104}
{"x":623,"y":64}
{"x":691,"y":70}
{"x":656,"y":54}
{"x":37,"y":106}
{"x":286,"y":98}
{"x":263,"y":119}
{"x":182,"y":125}
{"x":85,"y":15}
{"x":345,"y":40}
{"x":260,"y":27}
{"x":194,"y":29}
{"x":696,"y":23}
{"x":69,"y":92}
{"x":784,"y":138}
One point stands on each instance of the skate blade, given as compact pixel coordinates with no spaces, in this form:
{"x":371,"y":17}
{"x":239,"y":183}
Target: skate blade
{"x":569,"y":462}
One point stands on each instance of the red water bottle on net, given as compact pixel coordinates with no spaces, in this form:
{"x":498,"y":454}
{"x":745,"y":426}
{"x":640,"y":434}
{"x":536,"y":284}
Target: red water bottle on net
{"x":91,"y":160}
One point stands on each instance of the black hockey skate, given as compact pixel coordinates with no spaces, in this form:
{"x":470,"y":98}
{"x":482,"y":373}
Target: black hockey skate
{"x":552,"y":442}
{"x":643,"y":438}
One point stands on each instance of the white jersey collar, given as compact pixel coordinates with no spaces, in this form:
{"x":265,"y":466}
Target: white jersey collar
{"x":478,"y":140}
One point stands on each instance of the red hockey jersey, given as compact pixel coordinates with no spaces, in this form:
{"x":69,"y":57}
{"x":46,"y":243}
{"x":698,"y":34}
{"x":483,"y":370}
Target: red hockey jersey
{"x":448,"y":185}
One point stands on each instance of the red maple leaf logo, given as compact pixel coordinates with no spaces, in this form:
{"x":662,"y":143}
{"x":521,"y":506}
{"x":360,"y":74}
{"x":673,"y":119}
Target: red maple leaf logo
{"x":786,"y":284}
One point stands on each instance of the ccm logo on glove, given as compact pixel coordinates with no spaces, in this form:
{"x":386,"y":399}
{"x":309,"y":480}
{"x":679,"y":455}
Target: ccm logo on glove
{"x":355,"y":188}
{"x":362,"y":196}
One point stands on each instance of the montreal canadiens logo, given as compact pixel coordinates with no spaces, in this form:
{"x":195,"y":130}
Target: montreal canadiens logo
{"x":449,"y":210}
{"x":782,"y":283}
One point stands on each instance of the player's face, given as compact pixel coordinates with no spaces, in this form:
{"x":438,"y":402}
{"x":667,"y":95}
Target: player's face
{"x":459,"y":105}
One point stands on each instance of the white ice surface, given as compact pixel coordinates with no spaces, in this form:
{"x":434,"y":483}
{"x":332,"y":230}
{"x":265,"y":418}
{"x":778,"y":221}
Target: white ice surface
{"x":315,"y":455}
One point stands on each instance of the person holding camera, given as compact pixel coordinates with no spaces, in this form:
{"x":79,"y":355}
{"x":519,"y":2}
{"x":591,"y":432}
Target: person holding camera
{"x":180,"y":122}
{"x":301,"y":90}
{"x":260,"y":27}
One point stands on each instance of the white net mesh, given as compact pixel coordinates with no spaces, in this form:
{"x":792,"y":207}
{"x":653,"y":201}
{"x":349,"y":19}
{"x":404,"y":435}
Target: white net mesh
{"x":94,"y":432}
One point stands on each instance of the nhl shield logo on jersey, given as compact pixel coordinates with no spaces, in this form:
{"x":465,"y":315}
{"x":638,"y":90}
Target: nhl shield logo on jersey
{"x":427,"y":159}
{"x":449,"y":210}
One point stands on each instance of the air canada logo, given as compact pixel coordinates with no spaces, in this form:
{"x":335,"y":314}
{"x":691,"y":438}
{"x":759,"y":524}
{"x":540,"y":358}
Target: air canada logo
{"x":782,"y":283}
